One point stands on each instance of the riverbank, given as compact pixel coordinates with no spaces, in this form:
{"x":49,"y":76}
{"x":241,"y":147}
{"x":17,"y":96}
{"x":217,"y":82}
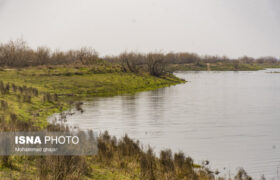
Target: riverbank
{"x":220,"y":66}
{"x":72,"y":84}
{"x":28,"y":96}
{"x":57,"y":81}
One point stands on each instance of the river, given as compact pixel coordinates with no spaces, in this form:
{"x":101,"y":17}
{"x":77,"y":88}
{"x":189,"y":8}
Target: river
{"x":231,"y":119}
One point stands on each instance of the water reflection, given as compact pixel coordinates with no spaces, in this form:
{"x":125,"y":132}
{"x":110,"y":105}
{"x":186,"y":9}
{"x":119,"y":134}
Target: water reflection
{"x":229,"y":118}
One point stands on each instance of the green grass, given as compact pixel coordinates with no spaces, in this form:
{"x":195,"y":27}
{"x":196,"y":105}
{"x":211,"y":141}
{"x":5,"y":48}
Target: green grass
{"x":85,"y":83}
{"x":72,"y":84}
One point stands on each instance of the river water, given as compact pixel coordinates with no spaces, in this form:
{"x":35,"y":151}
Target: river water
{"x":231,"y":119}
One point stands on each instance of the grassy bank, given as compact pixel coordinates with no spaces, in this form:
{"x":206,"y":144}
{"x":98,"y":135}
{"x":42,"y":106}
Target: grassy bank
{"x":28,"y":96}
{"x":220,"y":66}
{"x":71,"y":84}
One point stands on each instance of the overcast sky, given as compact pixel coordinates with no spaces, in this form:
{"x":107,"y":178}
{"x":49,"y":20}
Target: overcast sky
{"x":216,"y":27}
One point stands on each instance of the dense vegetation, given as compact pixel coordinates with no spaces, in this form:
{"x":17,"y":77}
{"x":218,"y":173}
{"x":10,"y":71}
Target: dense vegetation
{"x":193,"y":62}
{"x":36,"y":84}
{"x":19,"y":54}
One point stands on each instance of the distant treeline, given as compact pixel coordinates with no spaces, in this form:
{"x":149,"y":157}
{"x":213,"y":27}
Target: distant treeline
{"x":19,"y":54}
{"x":188,"y":58}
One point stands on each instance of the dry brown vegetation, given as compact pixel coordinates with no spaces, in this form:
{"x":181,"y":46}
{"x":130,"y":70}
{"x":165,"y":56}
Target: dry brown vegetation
{"x":189,"y":58}
{"x":18,"y":54}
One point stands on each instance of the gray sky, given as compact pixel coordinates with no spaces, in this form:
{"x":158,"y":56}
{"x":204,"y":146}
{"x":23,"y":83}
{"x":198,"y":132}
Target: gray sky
{"x":215,"y":27}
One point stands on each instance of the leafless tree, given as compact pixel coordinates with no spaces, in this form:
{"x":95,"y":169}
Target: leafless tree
{"x":156,"y":64}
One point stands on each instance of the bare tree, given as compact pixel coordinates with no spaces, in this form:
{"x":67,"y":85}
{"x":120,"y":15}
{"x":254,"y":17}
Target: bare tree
{"x":131,"y":61}
{"x":156,"y":64}
{"x":88,"y":56}
{"x":43,"y":55}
